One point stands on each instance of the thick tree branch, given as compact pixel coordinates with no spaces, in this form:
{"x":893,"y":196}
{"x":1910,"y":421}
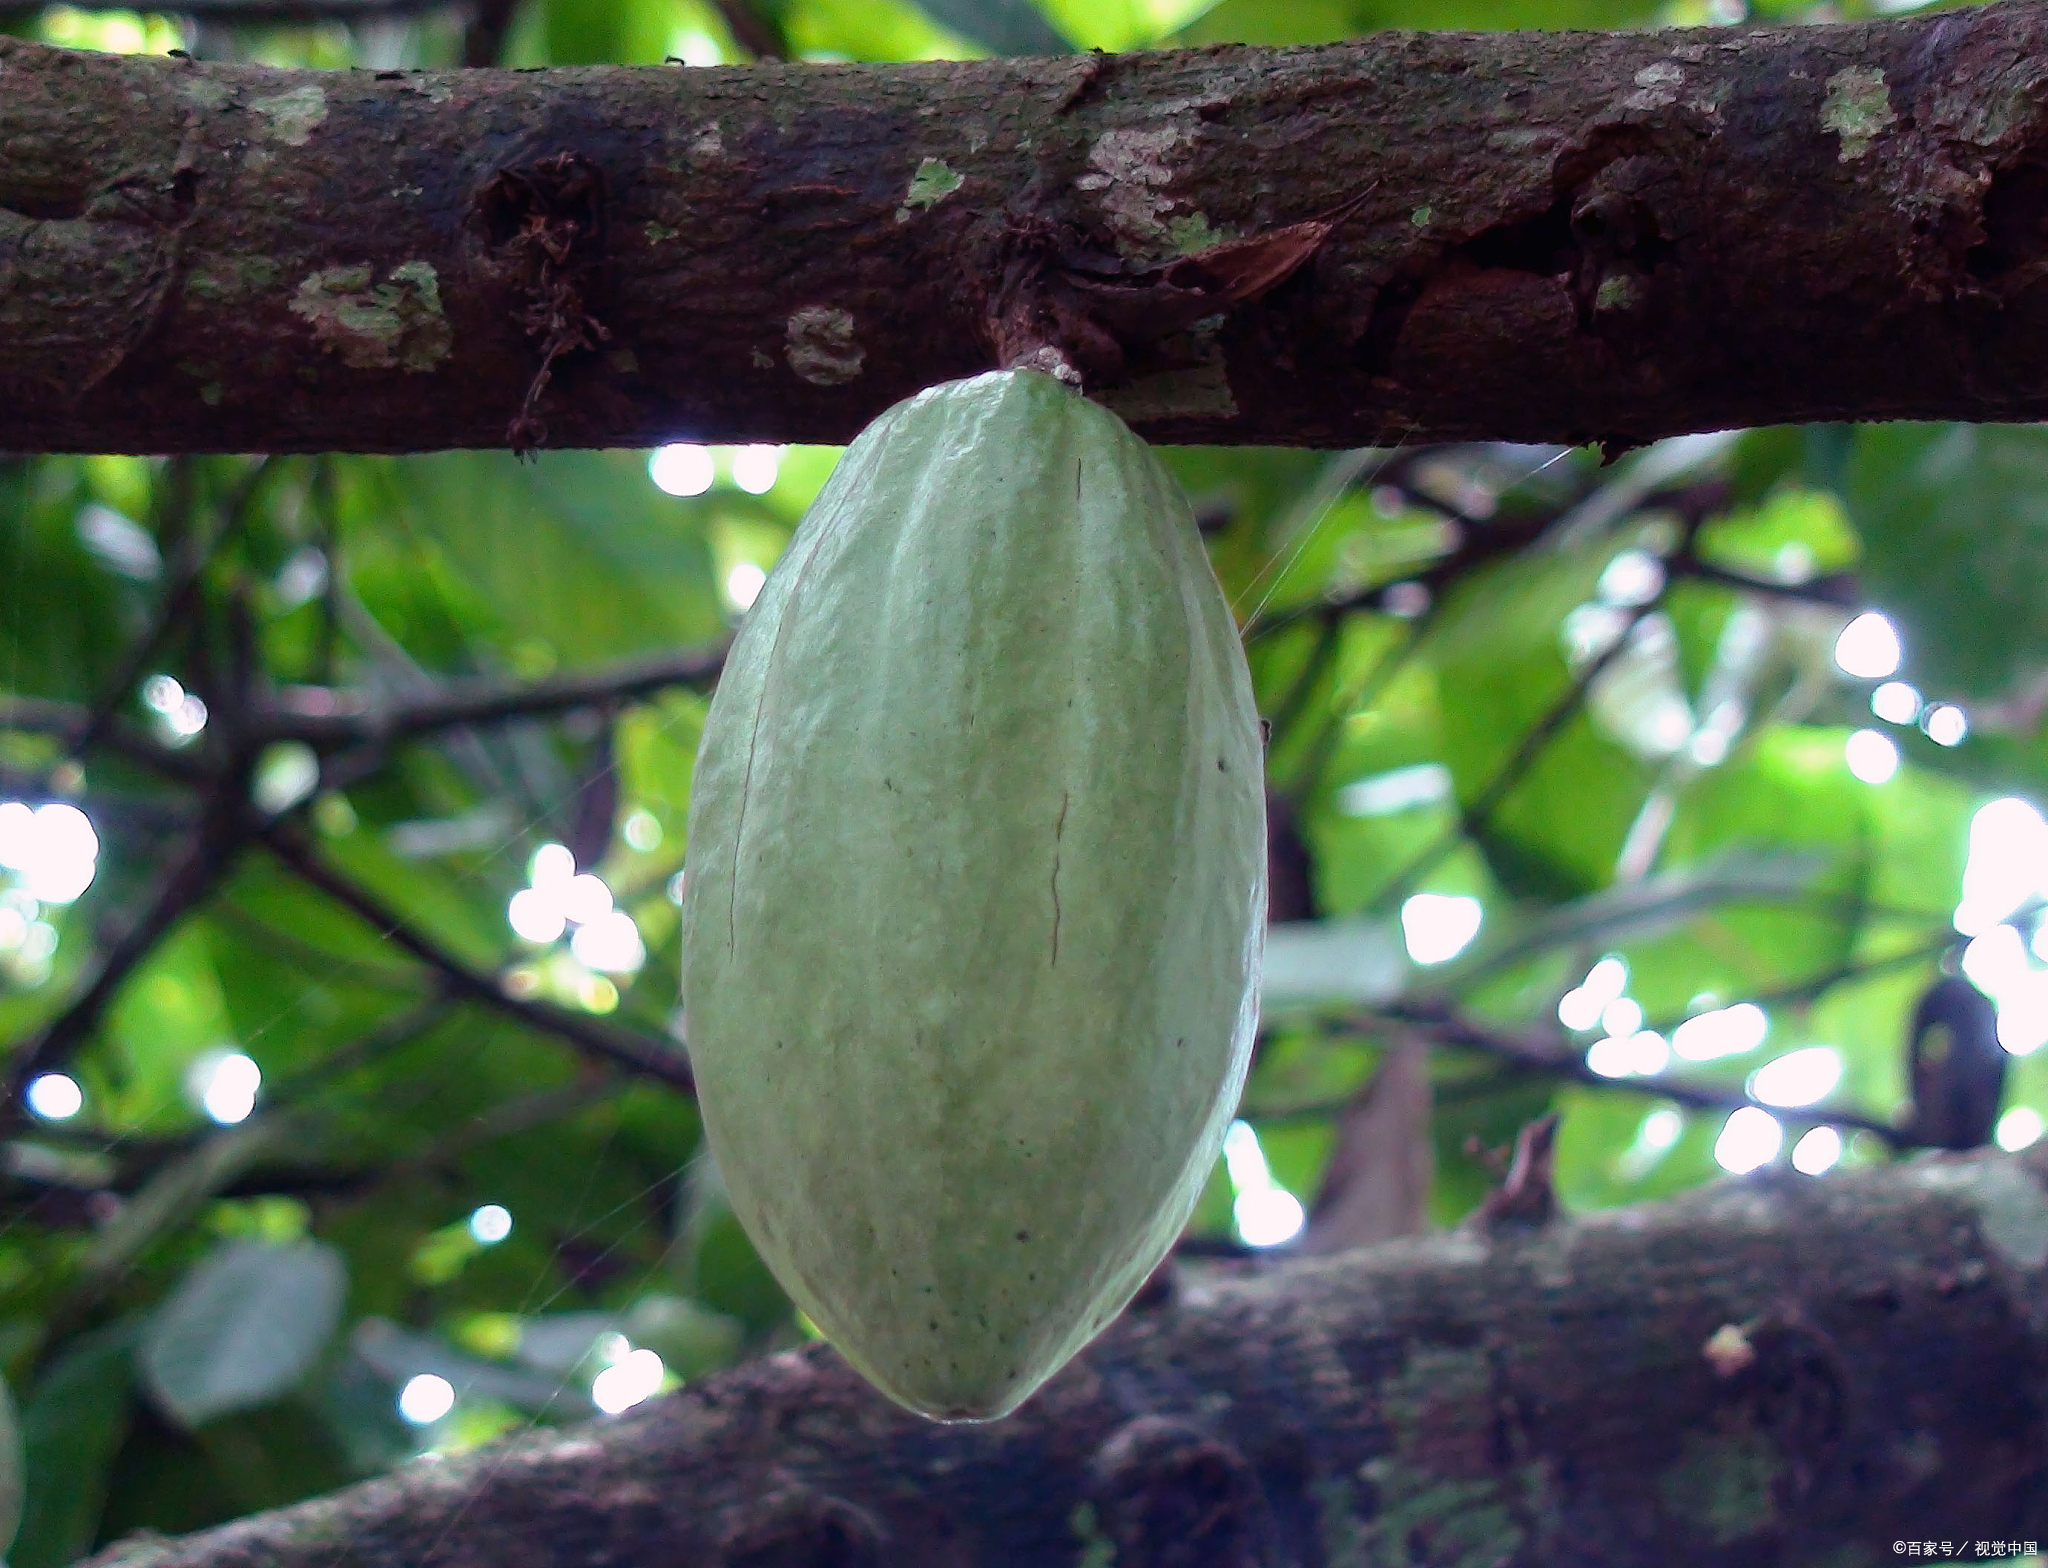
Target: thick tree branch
{"x":1559,"y":237}
{"x":1790,"y":1370}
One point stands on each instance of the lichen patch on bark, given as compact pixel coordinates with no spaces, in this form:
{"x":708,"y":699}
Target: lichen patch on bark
{"x":1657,"y":86}
{"x":291,"y":116}
{"x":822,"y":348}
{"x":205,"y":92}
{"x":1128,"y":167}
{"x":394,"y":325}
{"x":1857,"y":107}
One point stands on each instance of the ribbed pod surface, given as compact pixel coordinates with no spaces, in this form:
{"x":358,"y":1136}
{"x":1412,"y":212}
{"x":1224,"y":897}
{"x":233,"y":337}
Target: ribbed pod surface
{"x":976,"y":891}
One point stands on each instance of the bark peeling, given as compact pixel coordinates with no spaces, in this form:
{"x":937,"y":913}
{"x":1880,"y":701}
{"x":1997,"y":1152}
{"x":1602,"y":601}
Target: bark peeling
{"x":1562,"y":237}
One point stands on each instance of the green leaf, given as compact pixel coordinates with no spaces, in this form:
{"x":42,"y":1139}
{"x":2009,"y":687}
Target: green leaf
{"x":243,"y":1327}
{"x":1612,"y":1148}
{"x":72,"y":1425}
{"x":168,"y":1013}
{"x":617,"y":32}
{"x":578,"y":555}
{"x":12,"y":1483}
{"x":64,"y":615}
{"x":1794,"y":791}
{"x":1498,"y":652}
{"x":1793,"y":532}
{"x":1954,"y":521}
{"x":870,"y":30}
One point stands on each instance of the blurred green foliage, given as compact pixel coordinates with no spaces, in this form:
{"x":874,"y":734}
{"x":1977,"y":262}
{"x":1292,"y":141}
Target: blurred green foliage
{"x":1567,"y":713}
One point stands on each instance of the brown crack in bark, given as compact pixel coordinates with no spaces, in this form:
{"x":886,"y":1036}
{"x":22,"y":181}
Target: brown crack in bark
{"x":1561,"y":237}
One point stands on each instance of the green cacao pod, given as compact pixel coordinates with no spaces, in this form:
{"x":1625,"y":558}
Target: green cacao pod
{"x":976,"y":891}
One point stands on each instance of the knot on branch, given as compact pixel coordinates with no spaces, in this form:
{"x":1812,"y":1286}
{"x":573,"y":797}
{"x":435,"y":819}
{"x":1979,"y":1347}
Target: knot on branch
{"x":544,"y":223}
{"x":795,"y":1526}
{"x":1170,"y":1495}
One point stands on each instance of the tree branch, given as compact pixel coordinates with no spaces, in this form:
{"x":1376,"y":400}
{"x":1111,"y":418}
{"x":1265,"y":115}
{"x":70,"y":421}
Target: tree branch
{"x":649,"y":1059}
{"x":328,"y":719}
{"x":192,"y":877}
{"x":1837,"y":590}
{"x":1791,"y":1370}
{"x":69,"y":723}
{"x":1558,"y":237}
{"x":1474,"y":817}
{"x":753,"y":32}
{"x":1548,"y":1054}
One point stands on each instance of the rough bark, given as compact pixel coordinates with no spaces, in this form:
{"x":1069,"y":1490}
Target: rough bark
{"x":1767,"y":1371}
{"x":1558,"y":237}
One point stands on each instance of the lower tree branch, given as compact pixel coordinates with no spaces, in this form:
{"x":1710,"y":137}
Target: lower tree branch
{"x":1789,"y":1370}
{"x":1556,"y":237}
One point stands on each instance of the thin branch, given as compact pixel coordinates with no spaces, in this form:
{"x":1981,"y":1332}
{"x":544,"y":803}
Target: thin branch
{"x":757,"y":34}
{"x":643,"y":1056}
{"x":1838,"y":590}
{"x":483,"y":38}
{"x":1479,"y":544}
{"x":1511,"y":772}
{"x":1329,"y":637}
{"x":195,"y":874}
{"x":139,"y":813}
{"x":68,"y":723}
{"x":75,"y":1167}
{"x":401,"y":980}
{"x":1547,"y":1054}
{"x":522,"y":1113}
{"x":328,"y":719}
{"x":399,"y":1030}
{"x":1841,"y":974}
{"x":191,"y":550}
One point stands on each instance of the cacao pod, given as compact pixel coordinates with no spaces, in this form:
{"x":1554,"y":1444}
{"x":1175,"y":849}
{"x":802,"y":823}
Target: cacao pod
{"x":976,"y":891}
